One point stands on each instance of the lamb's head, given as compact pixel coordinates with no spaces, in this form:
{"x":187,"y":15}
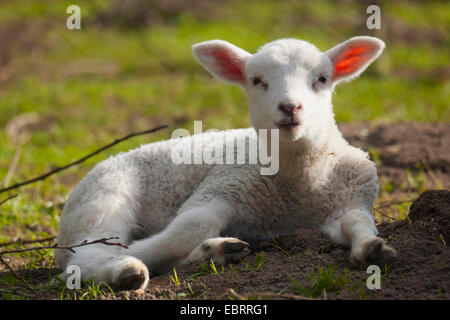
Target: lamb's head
{"x":289,"y":82}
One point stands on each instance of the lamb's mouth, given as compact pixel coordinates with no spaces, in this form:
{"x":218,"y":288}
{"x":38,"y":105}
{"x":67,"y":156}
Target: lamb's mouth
{"x":288,"y":125}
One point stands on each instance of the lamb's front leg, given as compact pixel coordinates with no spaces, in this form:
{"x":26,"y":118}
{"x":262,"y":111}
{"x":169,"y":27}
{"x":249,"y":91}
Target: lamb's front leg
{"x":356,"y":228}
{"x":359,"y":227}
{"x":192,"y":236}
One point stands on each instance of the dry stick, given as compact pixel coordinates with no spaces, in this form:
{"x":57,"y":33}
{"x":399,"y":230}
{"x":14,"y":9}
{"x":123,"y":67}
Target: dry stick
{"x":383,"y":214}
{"x":266,"y":294}
{"x":14,"y":165}
{"x":18,"y":276}
{"x":9,"y":198}
{"x":44,"y":176}
{"x":13,"y":291}
{"x":70,"y":248}
{"x":281,"y":295}
{"x":21,"y":242}
{"x":431,"y":173}
{"x":395,"y":202}
{"x":232,"y":292}
{"x":55,"y":246}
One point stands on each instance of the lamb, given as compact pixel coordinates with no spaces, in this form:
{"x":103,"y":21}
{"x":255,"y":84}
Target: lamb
{"x":172,"y":214}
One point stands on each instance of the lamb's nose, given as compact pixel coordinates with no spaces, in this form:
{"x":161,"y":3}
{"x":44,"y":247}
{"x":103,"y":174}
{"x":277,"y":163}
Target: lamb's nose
{"x":289,"y":109}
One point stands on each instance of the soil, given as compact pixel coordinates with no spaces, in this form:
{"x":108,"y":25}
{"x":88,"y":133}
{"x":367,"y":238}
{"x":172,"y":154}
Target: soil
{"x":421,"y":270}
{"x":405,"y":149}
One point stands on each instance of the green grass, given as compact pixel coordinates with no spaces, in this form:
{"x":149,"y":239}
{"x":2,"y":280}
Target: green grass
{"x":213,"y":267}
{"x":323,"y":280}
{"x":100,"y":82}
{"x":259,"y":260}
{"x":273,"y":244}
{"x":174,"y":278}
{"x":89,"y":291}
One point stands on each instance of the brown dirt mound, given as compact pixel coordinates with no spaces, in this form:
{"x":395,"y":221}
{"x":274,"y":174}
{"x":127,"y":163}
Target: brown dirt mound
{"x":406,"y":144}
{"x":433,"y":208}
{"x":404,"y":150}
{"x":422,"y":267}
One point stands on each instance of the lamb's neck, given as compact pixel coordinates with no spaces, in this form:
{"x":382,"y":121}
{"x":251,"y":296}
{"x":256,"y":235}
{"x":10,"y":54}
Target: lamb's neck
{"x":303,"y":153}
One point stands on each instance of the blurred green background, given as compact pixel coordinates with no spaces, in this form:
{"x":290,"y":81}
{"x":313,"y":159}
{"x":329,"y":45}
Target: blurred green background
{"x":130,"y":68}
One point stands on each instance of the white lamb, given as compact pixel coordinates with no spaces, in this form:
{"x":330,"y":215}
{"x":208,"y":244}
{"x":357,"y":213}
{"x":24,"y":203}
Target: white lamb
{"x":172,"y":214}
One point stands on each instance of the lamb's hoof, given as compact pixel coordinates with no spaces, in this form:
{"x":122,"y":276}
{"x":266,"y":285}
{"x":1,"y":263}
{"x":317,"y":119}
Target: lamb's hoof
{"x":376,"y":251}
{"x":132,"y":278}
{"x":234,"y":250}
{"x":221,"y":250}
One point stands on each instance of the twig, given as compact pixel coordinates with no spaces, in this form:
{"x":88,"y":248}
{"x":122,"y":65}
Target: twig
{"x":21,"y":242}
{"x":55,"y":246}
{"x":281,"y":295}
{"x":14,"y":165}
{"x":395,"y":202}
{"x":383,"y":214}
{"x":437,"y":183}
{"x":70,"y":248}
{"x":44,"y":176}
{"x":232,"y":292}
{"x":14,"y":291}
{"x":9,"y":198}
{"x":18,"y":276}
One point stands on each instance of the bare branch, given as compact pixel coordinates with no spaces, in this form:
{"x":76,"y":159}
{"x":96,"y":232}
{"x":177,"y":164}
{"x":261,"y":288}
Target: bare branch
{"x":21,"y":242}
{"x":55,"y":246}
{"x":13,"y":166}
{"x":436,"y":181}
{"x":9,"y":198}
{"x":18,"y":276}
{"x":383,"y":214}
{"x":52,"y":172}
{"x":15,"y":292}
{"x":384,"y":205}
{"x":281,"y":295}
{"x":70,"y":248}
{"x":230,"y":291}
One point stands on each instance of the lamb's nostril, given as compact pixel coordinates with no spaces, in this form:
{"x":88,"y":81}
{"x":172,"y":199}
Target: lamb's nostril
{"x":286,"y":108}
{"x":289,"y":109}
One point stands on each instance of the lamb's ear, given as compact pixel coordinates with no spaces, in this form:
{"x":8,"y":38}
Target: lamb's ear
{"x":352,"y":57}
{"x":224,"y":60}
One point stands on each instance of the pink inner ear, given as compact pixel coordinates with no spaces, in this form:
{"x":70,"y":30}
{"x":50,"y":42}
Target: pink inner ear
{"x":349,"y":60}
{"x":229,"y":67}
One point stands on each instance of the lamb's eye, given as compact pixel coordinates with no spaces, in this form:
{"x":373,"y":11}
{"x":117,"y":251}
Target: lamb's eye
{"x":323,"y":79}
{"x":256,"y":81}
